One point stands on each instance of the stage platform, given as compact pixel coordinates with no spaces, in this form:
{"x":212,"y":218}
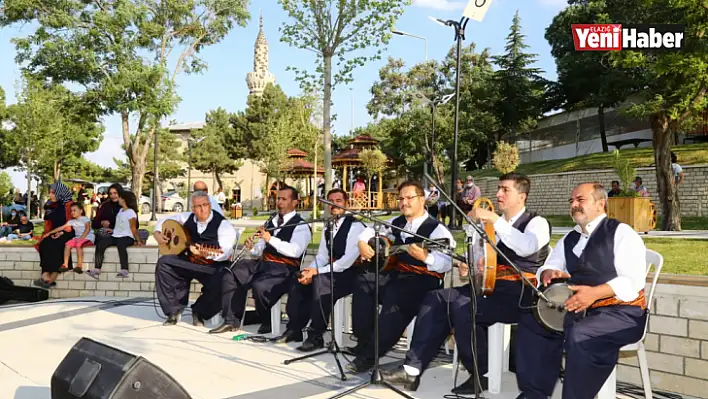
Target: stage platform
{"x":34,"y":338}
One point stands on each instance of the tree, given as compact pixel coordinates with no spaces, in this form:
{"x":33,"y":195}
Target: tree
{"x":210,"y":155}
{"x":586,"y":78}
{"x":352,"y":26}
{"x":506,"y":157}
{"x":374,"y":162}
{"x":82,"y":168}
{"x":125,"y":54}
{"x":675,"y":84}
{"x":6,"y":188}
{"x":51,"y":126}
{"x":521,"y":88}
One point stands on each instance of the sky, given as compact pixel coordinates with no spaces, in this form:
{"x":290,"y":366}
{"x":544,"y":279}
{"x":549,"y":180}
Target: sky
{"x":223,"y":84}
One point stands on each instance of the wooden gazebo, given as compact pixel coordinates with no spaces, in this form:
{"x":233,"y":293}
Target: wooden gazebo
{"x":299,"y":168}
{"x":348,"y":160}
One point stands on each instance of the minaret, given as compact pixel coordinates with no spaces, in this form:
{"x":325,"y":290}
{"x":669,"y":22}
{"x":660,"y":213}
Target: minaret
{"x":260,"y":77}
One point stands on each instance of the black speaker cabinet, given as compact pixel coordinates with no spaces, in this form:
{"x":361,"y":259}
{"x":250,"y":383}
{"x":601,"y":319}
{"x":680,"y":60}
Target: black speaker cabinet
{"x":92,"y":370}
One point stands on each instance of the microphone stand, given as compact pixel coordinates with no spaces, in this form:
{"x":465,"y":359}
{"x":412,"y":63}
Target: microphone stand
{"x":376,"y":377}
{"x":332,"y":347}
{"x":472,"y":278}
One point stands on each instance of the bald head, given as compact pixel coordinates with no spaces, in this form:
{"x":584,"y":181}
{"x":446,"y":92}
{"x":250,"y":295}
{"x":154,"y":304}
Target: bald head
{"x":200,"y":186}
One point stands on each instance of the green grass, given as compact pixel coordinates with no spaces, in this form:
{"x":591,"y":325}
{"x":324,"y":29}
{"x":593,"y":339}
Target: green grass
{"x":687,"y":222}
{"x":689,"y":154}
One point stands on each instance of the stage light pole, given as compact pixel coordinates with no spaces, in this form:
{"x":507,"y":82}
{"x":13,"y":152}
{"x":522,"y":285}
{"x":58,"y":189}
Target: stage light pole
{"x":459,"y":27}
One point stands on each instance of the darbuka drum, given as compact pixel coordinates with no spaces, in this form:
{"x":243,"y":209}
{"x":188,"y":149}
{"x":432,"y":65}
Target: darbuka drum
{"x":551,"y":314}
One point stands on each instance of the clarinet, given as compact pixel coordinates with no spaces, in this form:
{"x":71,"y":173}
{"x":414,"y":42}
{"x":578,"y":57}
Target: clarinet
{"x":243,"y":250}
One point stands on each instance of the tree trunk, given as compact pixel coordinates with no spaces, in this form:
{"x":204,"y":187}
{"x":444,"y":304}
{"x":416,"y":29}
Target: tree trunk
{"x":217,"y":178}
{"x":603,"y":133}
{"x":326,"y":122}
{"x":57,"y":170}
{"x":661,"y":138}
{"x":136,"y":153}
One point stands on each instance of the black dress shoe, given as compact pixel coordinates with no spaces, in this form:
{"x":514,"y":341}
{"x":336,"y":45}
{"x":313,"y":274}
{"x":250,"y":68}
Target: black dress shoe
{"x":224,"y":327}
{"x":467,"y":387}
{"x":197,"y":320}
{"x":265,"y":328}
{"x":289,"y":336}
{"x":355,"y":350}
{"x":399,"y":376}
{"x":360,"y":365}
{"x":172,"y":319}
{"x":313,"y":342}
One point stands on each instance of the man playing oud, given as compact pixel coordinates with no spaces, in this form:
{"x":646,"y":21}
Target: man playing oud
{"x":414,"y":274}
{"x":174,"y":273}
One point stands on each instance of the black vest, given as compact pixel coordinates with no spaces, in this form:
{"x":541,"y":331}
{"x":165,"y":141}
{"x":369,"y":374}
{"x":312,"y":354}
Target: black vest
{"x":284,"y":234}
{"x":340,"y":238}
{"x":210,"y":236}
{"x":426,"y":229}
{"x":596,"y":265}
{"x":529,"y":263}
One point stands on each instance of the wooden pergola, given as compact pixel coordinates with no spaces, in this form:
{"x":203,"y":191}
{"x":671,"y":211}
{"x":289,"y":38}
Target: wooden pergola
{"x":298,"y":168}
{"x":348,"y":159}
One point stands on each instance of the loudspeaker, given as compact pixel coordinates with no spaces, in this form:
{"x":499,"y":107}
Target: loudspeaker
{"x":92,"y":370}
{"x":9,"y":292}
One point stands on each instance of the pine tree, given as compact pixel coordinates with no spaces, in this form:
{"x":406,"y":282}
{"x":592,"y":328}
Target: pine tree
{"x":520,"y":85}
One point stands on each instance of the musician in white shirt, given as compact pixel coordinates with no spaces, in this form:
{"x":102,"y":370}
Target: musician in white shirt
{"x":523,"y":236}
{"x":605,"y":262}
{"x":281,"y":243}
{"x":174,"y":273}
{"x":414,"y":274}
{"x":313,"y":293}
{"x":215,"y":206}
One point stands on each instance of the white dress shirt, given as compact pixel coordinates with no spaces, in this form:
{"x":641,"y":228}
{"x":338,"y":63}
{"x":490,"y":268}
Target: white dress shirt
{"x":536,"y":235}
{"x":228,"y":236}
{"x":629,"y":253}
{"x":298,"y":242}
{"x":436,"y":261}
{"x":351,"y":253}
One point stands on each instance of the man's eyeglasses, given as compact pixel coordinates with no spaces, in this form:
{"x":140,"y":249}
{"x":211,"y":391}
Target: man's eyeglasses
{"x":401,"y":199}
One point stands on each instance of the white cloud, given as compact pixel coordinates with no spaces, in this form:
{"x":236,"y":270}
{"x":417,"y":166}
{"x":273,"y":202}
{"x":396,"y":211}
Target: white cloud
{"x":444,"y":5}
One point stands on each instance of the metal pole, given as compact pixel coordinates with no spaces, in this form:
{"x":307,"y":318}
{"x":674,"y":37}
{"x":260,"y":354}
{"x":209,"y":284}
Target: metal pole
{"x":153,"y":218}
{"x":432,"y":140}
{"x":189,"y":171}
{"x":459,"y":34}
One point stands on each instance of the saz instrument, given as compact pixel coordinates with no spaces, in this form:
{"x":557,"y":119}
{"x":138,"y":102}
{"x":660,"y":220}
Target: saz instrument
{"x":485,"y":257}
{"x":550,"y":315}
{"x":388,"y":253}
{"x":179,"y":241}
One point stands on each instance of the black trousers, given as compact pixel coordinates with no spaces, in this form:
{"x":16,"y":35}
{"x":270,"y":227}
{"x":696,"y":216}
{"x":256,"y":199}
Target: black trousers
{"x":269,"y":281}
{"x":173,"y":277}
{"x":447,"y":309}
{"x":313,"y":302}
{"x":122,"y":243}
{"x":400,"y":295}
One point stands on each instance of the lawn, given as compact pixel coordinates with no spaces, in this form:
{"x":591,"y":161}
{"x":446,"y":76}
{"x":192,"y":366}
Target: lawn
{"x":687,"y":222}
{"x":689,"y":154}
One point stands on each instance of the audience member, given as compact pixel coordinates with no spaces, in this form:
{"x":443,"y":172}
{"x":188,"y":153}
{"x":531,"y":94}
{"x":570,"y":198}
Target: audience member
{"x":83,"y":237}
{"x":57,"y":212}
{"x":23,"y":230}
{"x":105,"y":219}
{"x":615,"y":191}
{"x":8,"y":227}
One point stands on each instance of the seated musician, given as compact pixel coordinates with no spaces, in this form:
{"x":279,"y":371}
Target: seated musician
{"x":605,"y":261}
{"x":314,"y":288}
{"x":174,"y":273}
{"x":402,"y":289}
{"x":279,"y":248}
{"x":523,"y":237}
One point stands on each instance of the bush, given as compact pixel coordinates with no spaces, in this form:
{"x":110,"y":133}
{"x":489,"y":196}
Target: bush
{"x":506,"y":157}
{"x":254,"y":211}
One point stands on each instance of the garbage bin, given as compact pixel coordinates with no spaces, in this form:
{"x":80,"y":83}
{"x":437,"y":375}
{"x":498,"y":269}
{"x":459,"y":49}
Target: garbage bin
{"x":236,"y":211}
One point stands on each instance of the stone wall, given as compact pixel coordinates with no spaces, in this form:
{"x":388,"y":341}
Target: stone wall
{"x":550,"y":192}
{"x":676,"y":342}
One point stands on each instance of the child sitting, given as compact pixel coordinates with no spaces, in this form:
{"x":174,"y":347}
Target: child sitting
{"x":83,"y":237}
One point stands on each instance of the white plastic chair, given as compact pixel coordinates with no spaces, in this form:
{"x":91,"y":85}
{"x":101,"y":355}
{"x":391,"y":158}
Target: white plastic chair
{"x":609,"y":389}
{"x":498,"y":346}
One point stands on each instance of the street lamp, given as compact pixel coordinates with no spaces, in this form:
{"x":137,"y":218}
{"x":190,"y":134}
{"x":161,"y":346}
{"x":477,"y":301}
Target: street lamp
{"x":459,"y":27}
{"x":402,"y":33}
{"x":190,"y":143}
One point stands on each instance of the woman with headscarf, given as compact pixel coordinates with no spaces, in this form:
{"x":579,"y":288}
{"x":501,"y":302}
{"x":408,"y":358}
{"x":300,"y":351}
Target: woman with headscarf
{"x":57,"y":212}
{"x":105,"y":219}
